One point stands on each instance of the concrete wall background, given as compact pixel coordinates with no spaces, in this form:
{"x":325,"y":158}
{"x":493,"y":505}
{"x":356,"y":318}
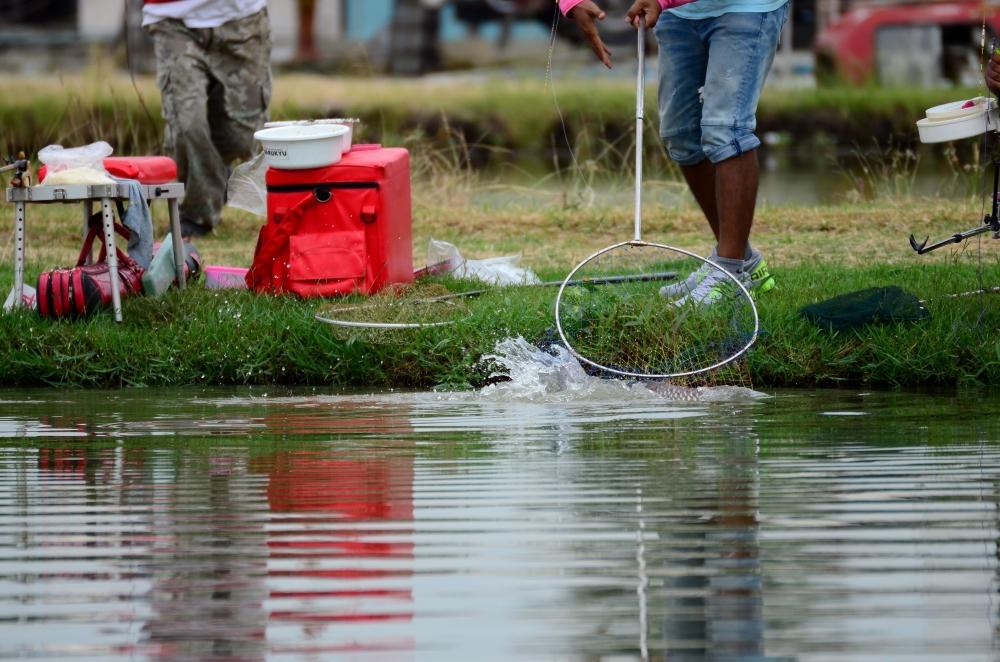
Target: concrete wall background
{"x":101,"y":20}
{"x":336,"y":20}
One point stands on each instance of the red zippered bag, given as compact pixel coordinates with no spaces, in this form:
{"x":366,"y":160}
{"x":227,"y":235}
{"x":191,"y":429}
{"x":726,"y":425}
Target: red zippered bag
{"x":81,"y":290}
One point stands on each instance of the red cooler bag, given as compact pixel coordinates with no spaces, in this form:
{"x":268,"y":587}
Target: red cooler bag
{"x":336,"y":230}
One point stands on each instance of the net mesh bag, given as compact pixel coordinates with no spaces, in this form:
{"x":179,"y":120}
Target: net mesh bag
{"x":641,"y":327}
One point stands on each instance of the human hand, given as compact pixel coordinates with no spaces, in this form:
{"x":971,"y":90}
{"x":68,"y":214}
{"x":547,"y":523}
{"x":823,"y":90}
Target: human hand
{"x":993,"y":73}
{"x":586,"y":14}
{"x":650,"y":9}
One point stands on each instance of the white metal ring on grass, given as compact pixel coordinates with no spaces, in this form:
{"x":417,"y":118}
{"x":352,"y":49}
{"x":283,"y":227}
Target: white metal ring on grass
{"x":381,"y":325}
{"x":385,"y":325}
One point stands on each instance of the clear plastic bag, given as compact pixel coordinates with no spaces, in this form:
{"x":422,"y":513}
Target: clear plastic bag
{"x":494,"y":270}
{"x":58,"y":158}
{"x":247,"y":187}
{"x":29,"y":299}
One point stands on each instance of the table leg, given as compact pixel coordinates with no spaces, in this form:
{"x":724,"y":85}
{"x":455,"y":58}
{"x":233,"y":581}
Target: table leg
{"x":109,"y":242}
{"x":88,"y":211}
{"x":178,"y":241}
{"x":19,"y":255}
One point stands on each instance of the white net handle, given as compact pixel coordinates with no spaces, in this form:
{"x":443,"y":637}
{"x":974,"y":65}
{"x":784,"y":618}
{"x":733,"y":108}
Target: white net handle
{"x":640,"y":115}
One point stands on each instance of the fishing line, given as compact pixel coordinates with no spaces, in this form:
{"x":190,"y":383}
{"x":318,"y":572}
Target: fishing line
{"x":604,"y":280}
{"x":381,"y":313}
{"x":990,"y":615}
{"x":987,"y":290}
{"x":987,"y":535}
{"x":980,"y":280}
{"x":643,"y":579}
{"x":986,"y":151}
{"x":983,"y":291}
{"x":551,"y":87}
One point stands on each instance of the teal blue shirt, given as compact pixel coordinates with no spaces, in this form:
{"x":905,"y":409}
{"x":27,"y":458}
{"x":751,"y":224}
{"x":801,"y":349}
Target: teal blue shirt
{"x":713,"y":8}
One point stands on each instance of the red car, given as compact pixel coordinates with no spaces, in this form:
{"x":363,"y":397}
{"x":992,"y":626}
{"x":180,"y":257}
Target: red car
{"x":929,"y":44}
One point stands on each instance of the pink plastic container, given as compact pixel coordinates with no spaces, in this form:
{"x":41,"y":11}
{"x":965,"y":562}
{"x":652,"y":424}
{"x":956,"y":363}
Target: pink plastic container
{"x":225,"y":278}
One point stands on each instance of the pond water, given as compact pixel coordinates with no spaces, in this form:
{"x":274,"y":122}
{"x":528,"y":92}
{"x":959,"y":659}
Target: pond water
{"x":825,"y":175}
{"x":524,"y":521}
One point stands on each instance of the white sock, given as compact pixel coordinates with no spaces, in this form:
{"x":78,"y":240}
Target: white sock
{"x":752,"y":257}
{"x":733,"y":266}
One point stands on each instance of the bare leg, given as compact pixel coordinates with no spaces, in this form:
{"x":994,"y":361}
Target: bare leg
{"x":736,"y":196}
{"x":701,"y":180}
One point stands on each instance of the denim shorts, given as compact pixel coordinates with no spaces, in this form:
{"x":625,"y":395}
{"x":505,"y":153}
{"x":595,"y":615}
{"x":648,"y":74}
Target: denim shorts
{"x":711,"y":74}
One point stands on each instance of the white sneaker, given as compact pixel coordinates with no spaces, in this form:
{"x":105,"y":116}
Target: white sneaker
{"x":713,"y":288}
{"x":686,"y":286}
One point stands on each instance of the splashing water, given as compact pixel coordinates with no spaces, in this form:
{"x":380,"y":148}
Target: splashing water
{"x":536,"y":374}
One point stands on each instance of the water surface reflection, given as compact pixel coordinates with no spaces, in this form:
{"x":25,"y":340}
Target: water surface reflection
{"x":223,"y":525}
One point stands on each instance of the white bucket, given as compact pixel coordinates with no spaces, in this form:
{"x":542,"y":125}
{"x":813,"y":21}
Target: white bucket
{"x":350,"y":123}
{"x":955,"y":109}
{"x":298,"y":147}
{"x":951,"y":121}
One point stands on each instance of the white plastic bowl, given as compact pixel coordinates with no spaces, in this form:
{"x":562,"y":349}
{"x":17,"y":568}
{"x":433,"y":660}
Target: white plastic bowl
{"x":954,"y":109}
{"x":957,"y":128}
{"x":950,"y":121}
{"x":350,"y":123}
{"x":299,"y":147}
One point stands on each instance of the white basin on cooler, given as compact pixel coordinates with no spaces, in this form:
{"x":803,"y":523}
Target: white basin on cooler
{"x":302,"y":146}
{"x":350,"y":123}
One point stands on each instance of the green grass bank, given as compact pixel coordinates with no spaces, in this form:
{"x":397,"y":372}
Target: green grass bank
{"x":211,"y":337}
{"x":203,"y":337}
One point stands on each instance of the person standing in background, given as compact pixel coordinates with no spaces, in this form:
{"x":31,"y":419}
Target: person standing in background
{"x":213,"y":68}
{"x":305,"y":46}
{"x":414,"y":36}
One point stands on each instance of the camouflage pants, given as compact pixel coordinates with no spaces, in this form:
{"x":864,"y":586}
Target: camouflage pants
{"x":216,"y":86}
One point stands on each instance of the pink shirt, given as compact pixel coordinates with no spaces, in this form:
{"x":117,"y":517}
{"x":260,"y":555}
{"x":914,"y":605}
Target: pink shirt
{"x":566,"y":5}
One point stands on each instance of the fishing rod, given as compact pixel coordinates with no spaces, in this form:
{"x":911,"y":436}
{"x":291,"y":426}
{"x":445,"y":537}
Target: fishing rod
{"x":606,"y":280}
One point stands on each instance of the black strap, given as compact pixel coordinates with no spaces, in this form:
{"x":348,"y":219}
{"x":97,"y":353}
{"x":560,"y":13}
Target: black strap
{"x":327,"y":186}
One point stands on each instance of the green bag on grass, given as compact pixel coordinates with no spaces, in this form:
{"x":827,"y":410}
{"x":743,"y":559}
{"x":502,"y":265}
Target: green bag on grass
{"x":876,"y":305}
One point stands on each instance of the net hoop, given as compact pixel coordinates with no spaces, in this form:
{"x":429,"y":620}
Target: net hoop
{"x":350,"y":324}
{"x":381,"y":325}
{"x":673,"y":375}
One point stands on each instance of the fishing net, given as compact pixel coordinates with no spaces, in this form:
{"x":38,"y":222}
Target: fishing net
{"x":629,"y":328}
